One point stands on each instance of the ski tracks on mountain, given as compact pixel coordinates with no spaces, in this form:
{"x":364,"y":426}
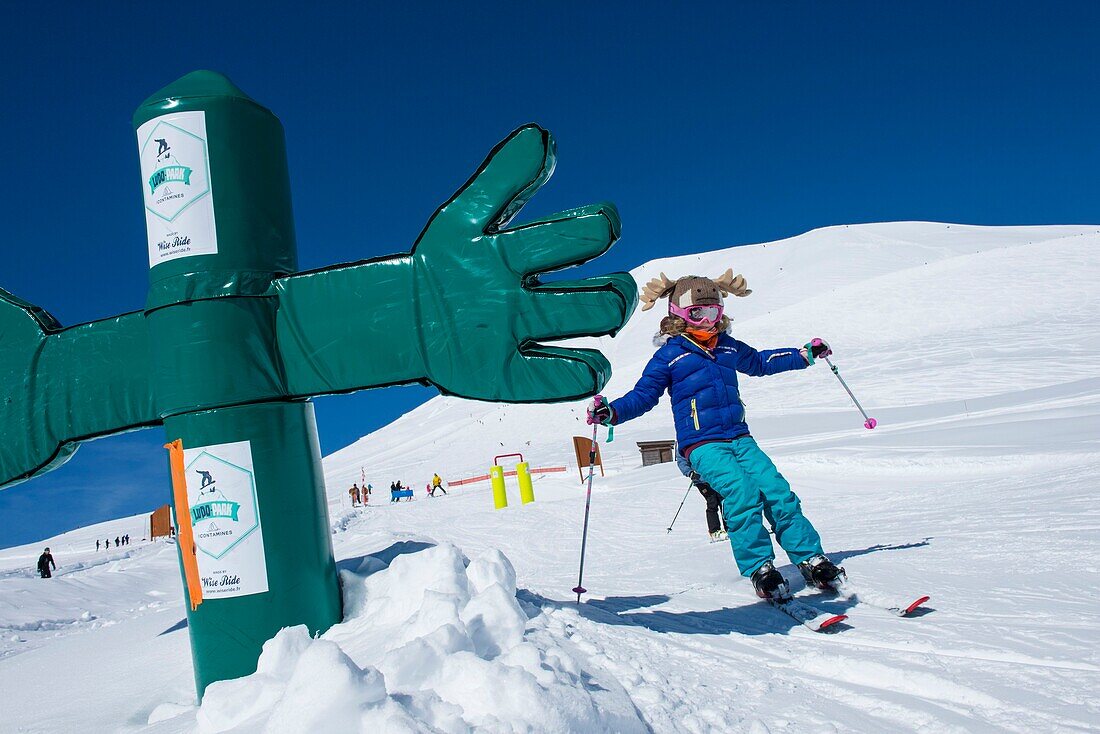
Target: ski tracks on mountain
{"x":802,"y":681}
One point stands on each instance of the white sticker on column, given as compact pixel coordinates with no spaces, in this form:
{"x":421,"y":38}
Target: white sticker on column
{"x":175,"y":177}
{"x":225,"y":515}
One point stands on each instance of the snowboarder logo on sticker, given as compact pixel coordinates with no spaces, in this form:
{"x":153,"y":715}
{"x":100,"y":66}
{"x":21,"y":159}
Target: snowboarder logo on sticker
{"x":174,"y":163}
{"x":175,"y":170}
{"x":223,"y":506}
{"x":215,"y":505}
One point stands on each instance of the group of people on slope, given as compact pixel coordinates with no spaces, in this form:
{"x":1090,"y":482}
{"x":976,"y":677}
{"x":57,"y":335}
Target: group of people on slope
{"x":360,"y":496}
{"x":120,"y":540}
{"x":399,"y":491}
{"x":46,"y":563}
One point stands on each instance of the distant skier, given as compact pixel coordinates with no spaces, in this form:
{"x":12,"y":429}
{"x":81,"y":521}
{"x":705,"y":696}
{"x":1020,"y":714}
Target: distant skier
{"x":697,"y":363}
{"x":97,"y":544}
{"x":45,"y":561}
{"x":366,"y":493}
{"x":107,"y":544}
{"x":437,"y":483}
{"x":117,"y":544}
{"x":713,"y":499}
{"x":354,"y":493}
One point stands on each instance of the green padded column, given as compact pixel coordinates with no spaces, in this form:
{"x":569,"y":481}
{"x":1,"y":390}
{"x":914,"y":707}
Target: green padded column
{"x":218,"y":212}
{"x":227,"y":634}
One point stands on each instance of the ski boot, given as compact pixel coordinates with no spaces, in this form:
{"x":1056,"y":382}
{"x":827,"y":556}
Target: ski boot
{"x":822,"y":573}
{"x":718,"y":536}
{"x":769,"y":583}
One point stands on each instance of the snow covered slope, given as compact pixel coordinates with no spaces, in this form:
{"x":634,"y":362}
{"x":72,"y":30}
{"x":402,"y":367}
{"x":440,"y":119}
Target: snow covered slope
{"x":922,"y":316}
{"x":978,"y":349}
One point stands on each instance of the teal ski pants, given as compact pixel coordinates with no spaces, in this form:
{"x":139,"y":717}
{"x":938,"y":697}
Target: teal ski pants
{"x":751,"y":486}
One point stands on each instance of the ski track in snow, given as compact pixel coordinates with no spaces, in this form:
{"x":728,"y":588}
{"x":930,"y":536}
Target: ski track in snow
{"x":978,"y":349}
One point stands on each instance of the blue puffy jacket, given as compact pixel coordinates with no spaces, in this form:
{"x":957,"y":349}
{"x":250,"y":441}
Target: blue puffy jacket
{"x":706,"y":404}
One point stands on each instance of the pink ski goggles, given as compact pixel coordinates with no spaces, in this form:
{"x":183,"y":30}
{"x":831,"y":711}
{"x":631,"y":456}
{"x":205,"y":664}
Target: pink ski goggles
{"x":697,"y":315}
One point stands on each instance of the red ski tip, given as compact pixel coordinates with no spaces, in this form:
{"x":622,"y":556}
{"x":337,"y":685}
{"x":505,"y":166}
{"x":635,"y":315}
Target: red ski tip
{"x":909,"y":609}
{"x":832,"y":620}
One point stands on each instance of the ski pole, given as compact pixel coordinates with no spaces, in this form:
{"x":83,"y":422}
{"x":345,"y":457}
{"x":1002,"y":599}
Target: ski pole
{"x":680,"y":507}
{"x":579,"y":589}
{"x":869,"y":422}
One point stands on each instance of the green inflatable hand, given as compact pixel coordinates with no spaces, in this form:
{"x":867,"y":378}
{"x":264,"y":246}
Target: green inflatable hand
{"x":466,"y":310}
{"x":232,"y":342}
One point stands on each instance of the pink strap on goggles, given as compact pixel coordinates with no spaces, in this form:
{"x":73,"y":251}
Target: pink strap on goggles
{"x":697,"y":315}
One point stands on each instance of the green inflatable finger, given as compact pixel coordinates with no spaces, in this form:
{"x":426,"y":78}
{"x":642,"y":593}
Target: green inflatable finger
{"x":561,"y":240}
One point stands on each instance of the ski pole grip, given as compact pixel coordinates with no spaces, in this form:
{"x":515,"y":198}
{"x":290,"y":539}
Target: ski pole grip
{"x":597,"y":402}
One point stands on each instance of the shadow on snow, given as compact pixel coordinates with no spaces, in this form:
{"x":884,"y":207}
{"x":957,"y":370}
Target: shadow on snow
{"x":751,"y":618}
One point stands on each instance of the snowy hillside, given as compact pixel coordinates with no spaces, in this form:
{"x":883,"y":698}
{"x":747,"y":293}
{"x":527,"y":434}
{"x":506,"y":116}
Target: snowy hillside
{"x":978,"y":350}
{"x":922,"y":316}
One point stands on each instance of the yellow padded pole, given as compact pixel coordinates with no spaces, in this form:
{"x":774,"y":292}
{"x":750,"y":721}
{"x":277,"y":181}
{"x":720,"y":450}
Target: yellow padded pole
{"x":500,"y":494}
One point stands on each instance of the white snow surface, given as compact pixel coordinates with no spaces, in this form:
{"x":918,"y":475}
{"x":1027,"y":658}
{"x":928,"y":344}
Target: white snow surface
{"x":978,"y":350}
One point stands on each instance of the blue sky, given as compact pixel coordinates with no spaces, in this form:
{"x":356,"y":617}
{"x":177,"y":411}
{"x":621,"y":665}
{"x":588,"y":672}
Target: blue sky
{"x":708,"y":125}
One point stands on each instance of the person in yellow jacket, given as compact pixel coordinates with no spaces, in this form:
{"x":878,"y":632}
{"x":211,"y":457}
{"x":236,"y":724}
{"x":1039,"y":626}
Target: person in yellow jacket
{"x":437,"y":483}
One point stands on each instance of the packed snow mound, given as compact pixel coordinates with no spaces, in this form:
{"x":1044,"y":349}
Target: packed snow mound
{"x":431,"y":642}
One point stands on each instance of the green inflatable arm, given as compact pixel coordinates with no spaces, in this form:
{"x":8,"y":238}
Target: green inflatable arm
{"x":62,"y":386}
{"x":465,"y":311}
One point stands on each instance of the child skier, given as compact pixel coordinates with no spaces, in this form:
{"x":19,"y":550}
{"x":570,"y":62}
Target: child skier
{"x":697,"y":363}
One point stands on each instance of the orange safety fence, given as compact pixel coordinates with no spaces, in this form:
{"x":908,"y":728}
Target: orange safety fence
{"x":485,"y":477}
{"x":183,"y":517}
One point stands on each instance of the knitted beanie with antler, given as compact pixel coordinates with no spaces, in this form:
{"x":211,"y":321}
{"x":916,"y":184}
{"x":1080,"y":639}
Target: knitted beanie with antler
{"x":692,"y":290}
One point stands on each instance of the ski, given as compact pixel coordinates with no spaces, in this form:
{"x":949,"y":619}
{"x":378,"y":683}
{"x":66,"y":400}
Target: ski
{"x":900,"y":607}
{"x":807,"y":614}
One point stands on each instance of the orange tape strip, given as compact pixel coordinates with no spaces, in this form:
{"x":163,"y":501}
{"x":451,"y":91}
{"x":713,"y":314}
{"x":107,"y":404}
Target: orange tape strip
{"x":186,"y":537}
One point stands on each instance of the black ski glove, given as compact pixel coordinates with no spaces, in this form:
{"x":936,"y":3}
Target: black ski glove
{"x":815,"y":349}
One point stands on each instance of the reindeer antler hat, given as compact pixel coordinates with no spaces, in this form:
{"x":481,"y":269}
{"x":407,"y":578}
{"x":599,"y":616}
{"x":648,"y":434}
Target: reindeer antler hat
{"x":693,"y":290}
